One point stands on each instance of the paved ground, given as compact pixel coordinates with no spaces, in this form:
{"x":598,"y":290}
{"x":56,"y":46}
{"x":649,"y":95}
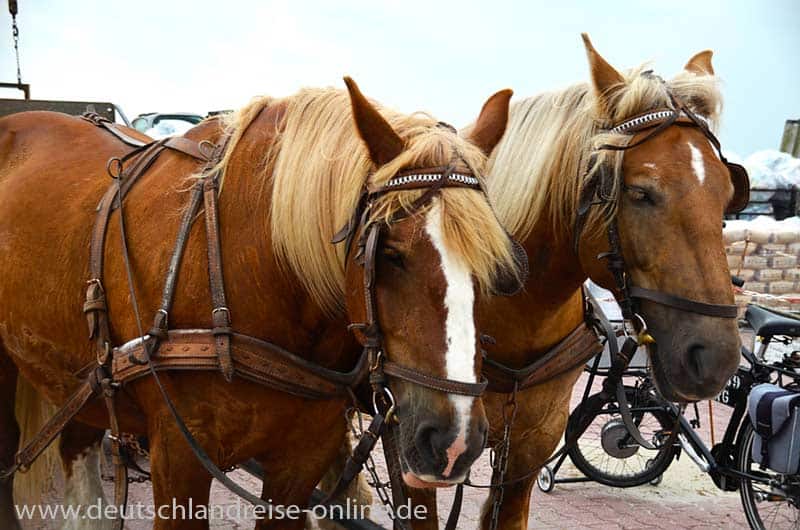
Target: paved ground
{"x":686,"y":498}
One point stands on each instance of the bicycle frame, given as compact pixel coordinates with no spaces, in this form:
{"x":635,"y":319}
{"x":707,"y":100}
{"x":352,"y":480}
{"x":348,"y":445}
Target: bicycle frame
{"x":741,"y":383}
{"x":719,"y":461}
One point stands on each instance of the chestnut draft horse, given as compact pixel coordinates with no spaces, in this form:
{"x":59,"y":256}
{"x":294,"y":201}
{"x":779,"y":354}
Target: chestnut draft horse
{"x":667,"y":201}
{"x":292,"y":174}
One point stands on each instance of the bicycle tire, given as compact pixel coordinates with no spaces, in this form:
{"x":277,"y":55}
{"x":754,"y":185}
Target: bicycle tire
{"x":643,"y":474}
{"x":784,"y":515}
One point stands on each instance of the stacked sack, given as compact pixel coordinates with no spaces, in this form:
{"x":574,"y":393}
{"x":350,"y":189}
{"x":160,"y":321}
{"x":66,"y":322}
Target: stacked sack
{"x":765,"y":253}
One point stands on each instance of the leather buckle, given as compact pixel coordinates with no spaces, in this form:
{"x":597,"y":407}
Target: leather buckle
{"x":207,"y":149}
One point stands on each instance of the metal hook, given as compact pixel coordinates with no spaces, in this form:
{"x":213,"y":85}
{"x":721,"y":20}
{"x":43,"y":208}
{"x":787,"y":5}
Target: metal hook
{"x":385,"y":393}
{"x":375,"y":365}
{"x":207,"y":148}
{"x":644,"y":337}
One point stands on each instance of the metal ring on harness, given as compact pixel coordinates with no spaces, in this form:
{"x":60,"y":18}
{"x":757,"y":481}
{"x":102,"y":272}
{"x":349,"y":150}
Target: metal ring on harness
{"x":207,"y":148}
{"x":644,"y":337}
{"x":114,"y":163}
{"x":385,"y":392}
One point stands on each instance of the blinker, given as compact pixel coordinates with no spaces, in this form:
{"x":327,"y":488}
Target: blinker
{"x":741,"y":187}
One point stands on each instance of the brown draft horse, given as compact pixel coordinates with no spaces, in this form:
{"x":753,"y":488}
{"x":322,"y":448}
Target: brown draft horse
{"x":293,"y":172}
{"x":669,"y":215}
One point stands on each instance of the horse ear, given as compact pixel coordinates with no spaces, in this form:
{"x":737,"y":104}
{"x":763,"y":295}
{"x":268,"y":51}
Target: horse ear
{"x":700,"y":63}
{"x":492,"y":121}
{"x":382,"y":142}
{"x":605,"y":79}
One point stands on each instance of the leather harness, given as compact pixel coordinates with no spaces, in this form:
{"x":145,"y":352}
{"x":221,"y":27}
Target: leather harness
{"x":221,"y":348}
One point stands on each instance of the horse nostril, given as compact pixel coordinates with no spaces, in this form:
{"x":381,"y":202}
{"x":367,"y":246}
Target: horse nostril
{"x":431,"y":443}
{"x":696,"y":363}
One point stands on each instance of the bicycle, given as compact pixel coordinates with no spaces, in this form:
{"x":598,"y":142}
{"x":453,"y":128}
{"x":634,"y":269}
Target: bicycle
{"x":770,"y":500}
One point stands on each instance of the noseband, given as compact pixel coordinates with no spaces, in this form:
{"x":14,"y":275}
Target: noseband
{"x":598,"y":190}
{"x":432,"y":180}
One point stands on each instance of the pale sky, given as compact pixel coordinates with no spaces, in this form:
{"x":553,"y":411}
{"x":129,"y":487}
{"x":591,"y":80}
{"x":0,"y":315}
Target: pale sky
{"x":442,"y":57}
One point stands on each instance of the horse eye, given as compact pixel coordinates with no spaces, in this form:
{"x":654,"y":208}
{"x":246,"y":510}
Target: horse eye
{"x":639,"y":195}
{"x":394,"y":257}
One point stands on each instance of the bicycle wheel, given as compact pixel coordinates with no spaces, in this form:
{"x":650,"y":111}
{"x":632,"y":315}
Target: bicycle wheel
{"x":607,"y":454}
{"x":773,"y":504}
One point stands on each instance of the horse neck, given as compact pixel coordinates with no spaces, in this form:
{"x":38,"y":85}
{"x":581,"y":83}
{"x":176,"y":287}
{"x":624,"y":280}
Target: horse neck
{"x":266,"y":300}
{"x":550,"y":307}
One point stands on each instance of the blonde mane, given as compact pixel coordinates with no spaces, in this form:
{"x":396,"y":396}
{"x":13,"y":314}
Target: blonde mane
{"x":539,"y":167}
{"x":317,"y":168}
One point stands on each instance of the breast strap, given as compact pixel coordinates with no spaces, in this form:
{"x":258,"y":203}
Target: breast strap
{"x":253,"y":359}
{"x":573,"y":350}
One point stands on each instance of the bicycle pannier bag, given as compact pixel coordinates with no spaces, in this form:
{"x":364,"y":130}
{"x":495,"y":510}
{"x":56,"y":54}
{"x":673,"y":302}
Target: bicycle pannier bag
{"x":775,"y":415}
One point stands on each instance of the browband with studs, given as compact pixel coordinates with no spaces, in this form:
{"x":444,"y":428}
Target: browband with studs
{"x":644,"y":120}
{"x":431,"y":177}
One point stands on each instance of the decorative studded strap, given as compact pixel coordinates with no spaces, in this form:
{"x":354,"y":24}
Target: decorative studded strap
{"x":417,"y":178}
{"x":650,"y":119}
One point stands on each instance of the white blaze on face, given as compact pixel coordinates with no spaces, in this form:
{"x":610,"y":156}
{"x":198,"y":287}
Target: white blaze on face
{"x":698,"y":164}
{"x":459,"y":300}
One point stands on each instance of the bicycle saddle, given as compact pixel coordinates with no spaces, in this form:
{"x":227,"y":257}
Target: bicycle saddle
{"x":767,"y":323}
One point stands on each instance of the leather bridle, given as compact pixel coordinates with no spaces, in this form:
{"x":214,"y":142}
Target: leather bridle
{"x":368,"y":333}
{"x":598,"y":190}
